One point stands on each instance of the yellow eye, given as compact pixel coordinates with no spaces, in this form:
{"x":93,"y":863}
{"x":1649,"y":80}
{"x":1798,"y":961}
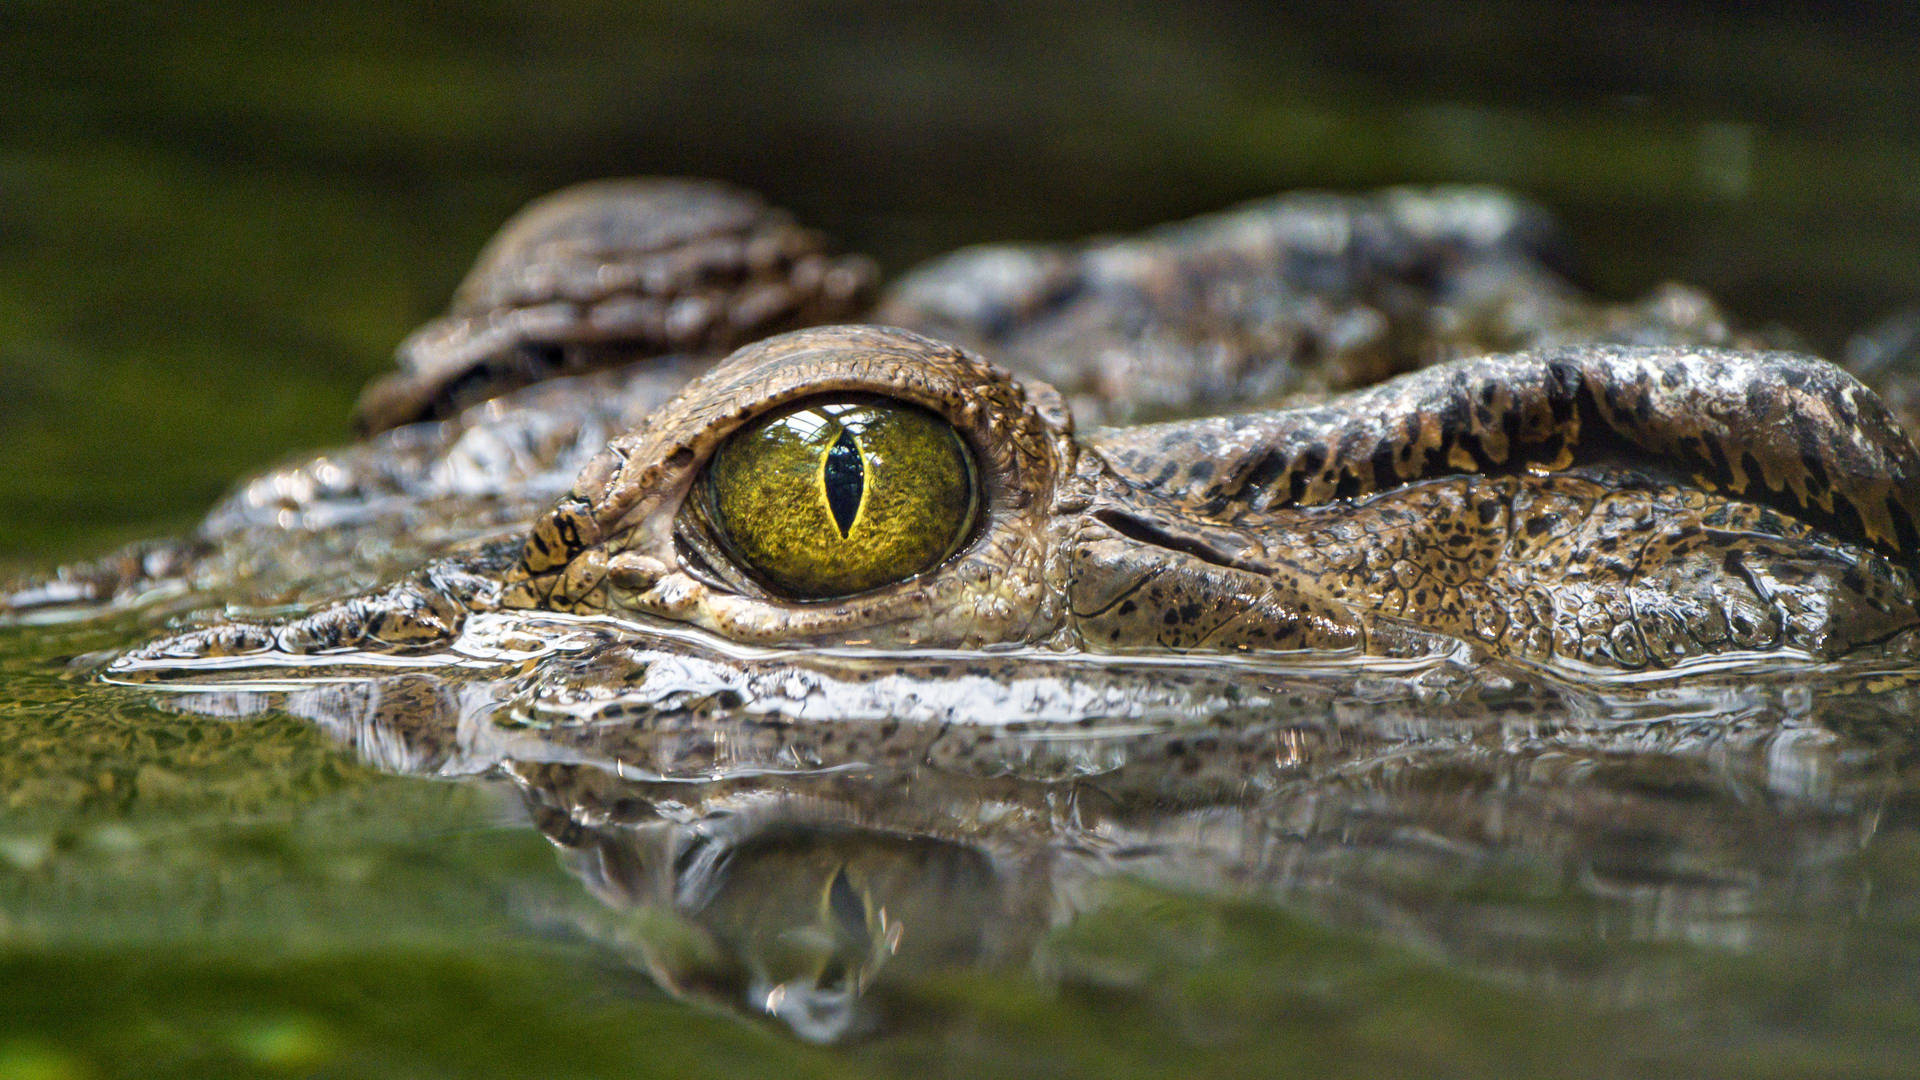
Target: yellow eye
{"x":832,"y":498}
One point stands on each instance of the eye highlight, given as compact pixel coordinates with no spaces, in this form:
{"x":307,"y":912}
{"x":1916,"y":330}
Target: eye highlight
{"x":830,"y":498}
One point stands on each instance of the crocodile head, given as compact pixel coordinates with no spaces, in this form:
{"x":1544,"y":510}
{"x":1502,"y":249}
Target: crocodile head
{"x":1592,"y":505}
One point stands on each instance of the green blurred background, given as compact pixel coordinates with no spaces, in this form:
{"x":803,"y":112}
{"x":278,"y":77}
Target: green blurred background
{"x":216,"y":219}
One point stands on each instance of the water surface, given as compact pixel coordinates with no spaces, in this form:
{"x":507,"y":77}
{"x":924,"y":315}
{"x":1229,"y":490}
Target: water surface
{"x":219,"y":220}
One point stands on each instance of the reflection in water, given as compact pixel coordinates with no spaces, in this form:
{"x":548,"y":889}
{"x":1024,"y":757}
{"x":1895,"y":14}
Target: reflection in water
{"x":796,"y":833}
{"x":791,"y":914}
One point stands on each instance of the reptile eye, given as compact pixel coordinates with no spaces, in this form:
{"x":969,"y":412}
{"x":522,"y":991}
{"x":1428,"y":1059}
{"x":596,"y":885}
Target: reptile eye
{"x":831,"y":498}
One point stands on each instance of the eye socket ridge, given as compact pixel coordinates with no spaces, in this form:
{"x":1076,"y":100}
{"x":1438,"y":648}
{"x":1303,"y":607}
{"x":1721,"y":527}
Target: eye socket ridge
{"x":830,"y":497}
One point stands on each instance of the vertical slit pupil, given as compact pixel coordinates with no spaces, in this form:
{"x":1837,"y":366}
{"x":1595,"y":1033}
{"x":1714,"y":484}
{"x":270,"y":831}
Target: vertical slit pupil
{"x":846,"y":481}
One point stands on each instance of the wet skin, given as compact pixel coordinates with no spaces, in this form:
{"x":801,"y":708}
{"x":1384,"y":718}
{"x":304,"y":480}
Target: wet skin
{"x":1616,"y":507}
{"x":1585,"y":506}
{"x":1600,"y":506}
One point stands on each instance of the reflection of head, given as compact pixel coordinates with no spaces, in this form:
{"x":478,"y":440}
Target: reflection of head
{"x":805,"y":865}
{"x":793,"y":914}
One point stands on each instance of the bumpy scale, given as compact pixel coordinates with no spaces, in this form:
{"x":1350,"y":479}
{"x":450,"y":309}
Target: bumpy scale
{"x":1609,"y":505}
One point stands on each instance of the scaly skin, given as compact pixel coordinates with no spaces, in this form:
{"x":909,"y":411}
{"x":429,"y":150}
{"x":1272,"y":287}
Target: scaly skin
{"x":1300,"y":295}
{"x":603,"y":274}
{"x":1529,"y":504}
{"x":1593,"y":506}
{"x":640,"y":285}
{"x":1587,"y":505}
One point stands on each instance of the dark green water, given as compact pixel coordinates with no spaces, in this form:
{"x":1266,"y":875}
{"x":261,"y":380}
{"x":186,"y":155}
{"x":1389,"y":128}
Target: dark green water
{"x":216,"y":221}
{"x":197,"y":897}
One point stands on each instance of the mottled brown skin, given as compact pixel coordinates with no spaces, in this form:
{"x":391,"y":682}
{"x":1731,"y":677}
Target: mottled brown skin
{"x":1606,"y":506}
{"x":1276,"y":301}
{"x":1584,"y":505}
{"x":608,"y":273}
{"x":1300,"y":295}
{"x":1304,"y":293}
{"x":1618,"y":506}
